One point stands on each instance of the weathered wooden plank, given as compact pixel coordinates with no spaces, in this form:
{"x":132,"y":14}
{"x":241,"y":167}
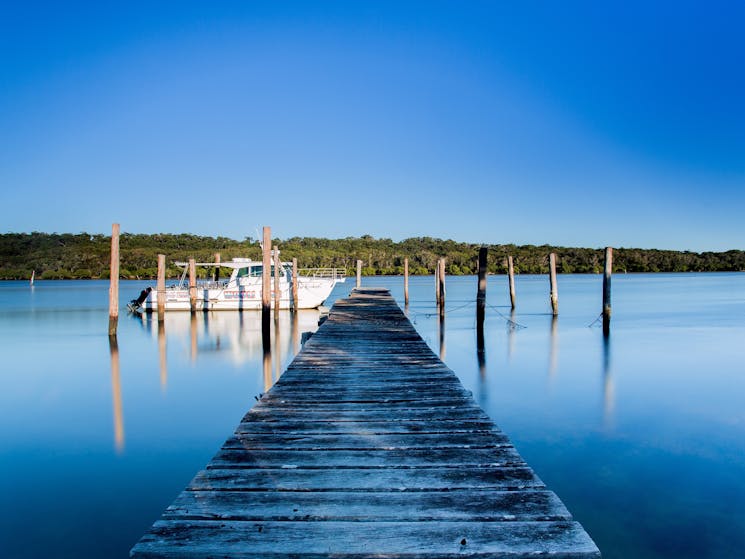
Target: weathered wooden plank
{"x":477,"y":506}
{"x":309,"y":427}
{"x":291,"y":478}
{"x":433,"y":540}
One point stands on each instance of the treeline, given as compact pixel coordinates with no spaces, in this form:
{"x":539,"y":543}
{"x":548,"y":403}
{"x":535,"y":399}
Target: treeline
{"x":84,"y":256}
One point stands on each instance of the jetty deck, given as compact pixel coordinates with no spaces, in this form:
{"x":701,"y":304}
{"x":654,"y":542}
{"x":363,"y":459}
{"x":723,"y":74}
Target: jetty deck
{"x":367,"y":446}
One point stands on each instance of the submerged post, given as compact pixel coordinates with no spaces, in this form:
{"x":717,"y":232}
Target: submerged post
{"x":266,"y":285}
{"x":277,"y":292}
{"x":160,"y":287}
{"x":294,"y":283}
{"x":192,"y":285}
{"x":607,"y":272}
{"x":359,"y":273}
{"x":217,"y":267}
{"x":554,"y":287}
{"x":406,"y":281}
{"x":511,"y":274}
{"x":442,"y":287}
{"x":114,"y":281}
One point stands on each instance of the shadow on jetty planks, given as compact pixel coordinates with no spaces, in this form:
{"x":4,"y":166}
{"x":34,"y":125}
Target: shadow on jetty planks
{"x":367,"y":446}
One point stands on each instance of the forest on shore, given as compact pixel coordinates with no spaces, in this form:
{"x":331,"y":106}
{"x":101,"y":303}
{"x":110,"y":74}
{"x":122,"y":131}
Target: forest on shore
{"x":86,"y":256}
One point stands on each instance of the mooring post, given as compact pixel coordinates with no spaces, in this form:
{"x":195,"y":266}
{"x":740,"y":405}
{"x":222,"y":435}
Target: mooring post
{"x":406,"y":281}
{"x":359,"y":273}
{"x":511,"y":274}
{"x":266,"y":286}
{"x":607,"y":272}
{"x":481,"y":286}
{"x":114,"y":281}
{"x":192,"y":285}
{"x":442,"y":287}
{"x":160,"y":287}
{"x":294,"y":283}
{"x":217,"y":267}
{"x":437,"y":283}
{"x":277,"y":292}
{"x":554,"y":287}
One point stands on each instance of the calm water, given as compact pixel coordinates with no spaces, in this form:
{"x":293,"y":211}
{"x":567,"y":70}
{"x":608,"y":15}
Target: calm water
{"x":642,"y":437}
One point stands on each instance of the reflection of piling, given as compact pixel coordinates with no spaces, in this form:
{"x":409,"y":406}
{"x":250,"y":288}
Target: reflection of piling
{"x":359,"y":273}
{"x":406,"y":281}
{"x":552,"y":356}
{"x":607,"y":271}
{"x":193,"y":332}
{"x":266,"y":286}
{"x":511,"y":336}
{"x":217,"y":267}
{"x":192,"y":286}
{"x":160,"y":287}
{"x":116,"y":394}
{"x":608,"y":389}
{"x":162,"y":356}
{"x":295,"y":333}
{"x":294,"y":284}
{"x":267,"y":367}
{"x":554,"y":286}
{"x":511,"y":276}
{"x":441,"y":323}
{"x":276,"y":351}
{"x":277,"y":292}
{"x":114,"y":281}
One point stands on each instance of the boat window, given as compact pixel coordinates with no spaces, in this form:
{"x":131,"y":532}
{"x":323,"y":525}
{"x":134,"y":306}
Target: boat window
{"x":255,"y":271}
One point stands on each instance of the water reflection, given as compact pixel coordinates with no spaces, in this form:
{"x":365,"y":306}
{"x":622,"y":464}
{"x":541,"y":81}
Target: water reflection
{"x":553,"y":347}
{"x":511,"y":335}
{"x":441,"y":323}
{"x":116,"y":395}
{"x":162,"y":361}
{"x":608,"y":388}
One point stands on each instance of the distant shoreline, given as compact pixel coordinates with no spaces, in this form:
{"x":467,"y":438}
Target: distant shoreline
{"x":85,"y":256}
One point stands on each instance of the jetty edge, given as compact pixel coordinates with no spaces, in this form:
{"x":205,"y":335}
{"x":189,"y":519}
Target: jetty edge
{"x":367,"y":446}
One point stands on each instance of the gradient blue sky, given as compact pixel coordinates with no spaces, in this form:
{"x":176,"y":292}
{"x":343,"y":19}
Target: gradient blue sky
{"x":573,"y":123}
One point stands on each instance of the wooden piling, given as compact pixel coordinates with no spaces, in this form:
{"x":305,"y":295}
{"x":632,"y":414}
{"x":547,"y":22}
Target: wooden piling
{"x":192,"y":285}
{"x":406,"y":281}
{"x":266,"y":286}
{"x":359,"y":273}
{"x":511,"y":274}
{"x":481,"y":284}
{"x":160,"y":287}
{"x":437,"y":283}
{"x":277,"y":292}
{"x":294,"y":283}
{"x":217,"y":267}
{"x":607,"y":272}
{"x":442,"y":286}
{"x":554,"y":286}
{"x":114,"y":281}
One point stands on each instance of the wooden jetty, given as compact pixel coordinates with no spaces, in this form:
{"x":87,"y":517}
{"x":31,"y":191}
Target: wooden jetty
{"x":367,"y":446}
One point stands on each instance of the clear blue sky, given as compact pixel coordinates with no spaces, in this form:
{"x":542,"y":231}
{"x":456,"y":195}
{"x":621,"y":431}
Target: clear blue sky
{"x":574,"y":123}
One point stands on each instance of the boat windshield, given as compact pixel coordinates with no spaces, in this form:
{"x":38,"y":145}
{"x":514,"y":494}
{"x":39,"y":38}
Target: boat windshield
{"x":257,"y":271}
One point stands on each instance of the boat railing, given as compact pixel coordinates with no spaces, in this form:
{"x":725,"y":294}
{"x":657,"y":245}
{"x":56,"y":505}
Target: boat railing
{"x":318,"y":273}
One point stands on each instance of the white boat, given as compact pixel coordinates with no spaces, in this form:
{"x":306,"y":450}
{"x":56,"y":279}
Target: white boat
{"x":242,"y":290}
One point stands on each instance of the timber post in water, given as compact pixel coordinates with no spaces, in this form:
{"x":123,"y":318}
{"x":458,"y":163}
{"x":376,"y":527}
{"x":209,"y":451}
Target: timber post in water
{"x":441,"y":284}
{"x":294,"y":284}
{"x":511,"y":274}
{"x":266,"y":286}
{"x":554,"y":287}
{"x":160,"y":287}
{"x":359,"y":273}
{"x":277,"y":292}
{"x":437,"y":283}
{"x":607,"y":272}
{"x":217,"y":267}
{"x":481,"y":300}
{"x":192,"y":286}
{"x":406,"y":281}
{"x":114,"y":281}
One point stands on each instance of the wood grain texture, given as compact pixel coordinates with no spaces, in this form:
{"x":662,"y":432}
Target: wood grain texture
{"x":367,"y":446}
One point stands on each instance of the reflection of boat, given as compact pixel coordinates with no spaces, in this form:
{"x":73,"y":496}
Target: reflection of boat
{"x":242,"y":291}
{"x":233,"y":336}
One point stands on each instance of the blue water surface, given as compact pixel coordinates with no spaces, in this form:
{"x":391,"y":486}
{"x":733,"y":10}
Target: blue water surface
{"x":642,"y":435}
